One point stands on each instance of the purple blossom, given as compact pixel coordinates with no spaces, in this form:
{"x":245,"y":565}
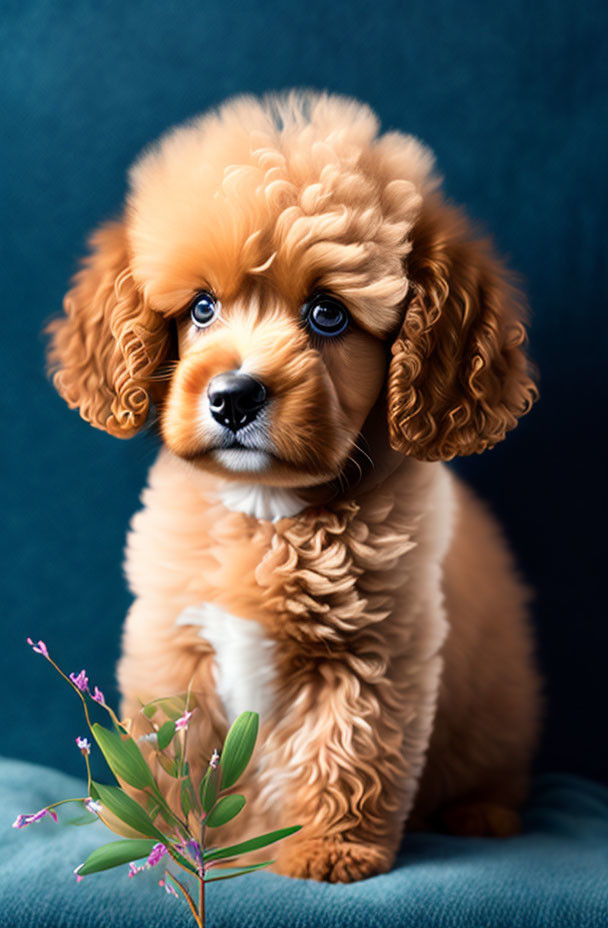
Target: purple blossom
{"x":194,"y":851}
{"x":92,"y":806}
{"x":134,"y":869}
{"x":155,"y":855}
{"x":22,"y":821}
{"x":98,"y":696}
{"x":84,"y":745}
{"x":80,"y":680}
{"x":182,"y":723}
{"x":39,"y":647}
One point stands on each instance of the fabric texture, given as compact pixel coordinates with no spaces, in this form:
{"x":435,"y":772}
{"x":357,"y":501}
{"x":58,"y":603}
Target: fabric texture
{"x":555,"y":875}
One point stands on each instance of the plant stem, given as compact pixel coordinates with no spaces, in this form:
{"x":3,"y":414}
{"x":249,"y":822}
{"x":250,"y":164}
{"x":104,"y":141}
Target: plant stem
{"x":201,"y":902}
{"x":201,"y":887}
{"x":62,"y":802}
{"x":188,"y":899}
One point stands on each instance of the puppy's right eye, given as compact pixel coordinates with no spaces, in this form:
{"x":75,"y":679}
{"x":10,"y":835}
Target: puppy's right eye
{"x":204,"y":309}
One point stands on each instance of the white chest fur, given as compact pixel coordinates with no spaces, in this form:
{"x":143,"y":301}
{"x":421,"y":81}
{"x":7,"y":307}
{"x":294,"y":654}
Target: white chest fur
{"x":244,"y":659}
{"x":267,"y":503}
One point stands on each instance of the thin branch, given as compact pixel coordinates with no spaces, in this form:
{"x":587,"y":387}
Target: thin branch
{"x":187,"y":897}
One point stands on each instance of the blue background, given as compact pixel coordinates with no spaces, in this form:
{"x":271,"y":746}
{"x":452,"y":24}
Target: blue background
{"x":512,"y":98}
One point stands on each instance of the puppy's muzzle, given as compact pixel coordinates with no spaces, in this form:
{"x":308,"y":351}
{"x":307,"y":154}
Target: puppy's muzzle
{"x":235,"y":399}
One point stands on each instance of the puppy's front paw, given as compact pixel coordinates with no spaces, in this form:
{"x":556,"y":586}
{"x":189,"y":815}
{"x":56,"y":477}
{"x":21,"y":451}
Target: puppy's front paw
{"x":332,"y":859}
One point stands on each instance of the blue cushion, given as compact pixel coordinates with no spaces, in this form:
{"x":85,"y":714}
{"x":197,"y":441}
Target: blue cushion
{"x":555,"y":874}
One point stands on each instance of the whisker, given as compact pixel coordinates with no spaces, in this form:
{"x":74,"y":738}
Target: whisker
{"x":364,"y":453}
{"x":354,"y":461}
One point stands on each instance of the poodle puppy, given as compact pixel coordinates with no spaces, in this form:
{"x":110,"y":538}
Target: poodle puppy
{"x":314,"y":330}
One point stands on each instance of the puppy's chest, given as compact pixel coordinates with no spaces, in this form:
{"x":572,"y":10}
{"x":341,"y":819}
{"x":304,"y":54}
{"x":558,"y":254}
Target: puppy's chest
{"x":278,"y":593}
{"x":245,"y":659}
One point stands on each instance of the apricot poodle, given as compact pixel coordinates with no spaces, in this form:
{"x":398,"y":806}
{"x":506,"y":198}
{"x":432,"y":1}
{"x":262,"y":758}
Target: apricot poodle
{"x":313,"y":330}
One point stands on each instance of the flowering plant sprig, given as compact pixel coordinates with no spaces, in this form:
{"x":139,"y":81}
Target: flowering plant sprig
{"x":153,"y":833}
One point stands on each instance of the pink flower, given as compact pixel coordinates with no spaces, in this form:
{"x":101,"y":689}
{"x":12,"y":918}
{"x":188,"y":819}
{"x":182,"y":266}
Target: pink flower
{"x":154,"y":857}
{"x":98,"y":696}
{"x":92,"y":806}
{"x":168,"y":888}
{"x":80,"y":680}
{"x":84,"y":745}
{"x":39,"y":647}
{"x":156,"y":854}
{"x":215,"y":759}
{"x":22,"y":821}
{"x":182,"y":723}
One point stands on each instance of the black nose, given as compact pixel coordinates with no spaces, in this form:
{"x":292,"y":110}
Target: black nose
{"x":235,"y":399}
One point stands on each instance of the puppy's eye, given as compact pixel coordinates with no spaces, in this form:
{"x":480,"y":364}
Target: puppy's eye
{"x":204,"y":309}
{"x":325,"y":315}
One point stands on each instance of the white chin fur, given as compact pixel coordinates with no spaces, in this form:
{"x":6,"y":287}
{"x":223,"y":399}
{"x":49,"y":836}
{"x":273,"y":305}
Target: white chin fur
{"x":261,"y":502}
{"x":243,"y":460}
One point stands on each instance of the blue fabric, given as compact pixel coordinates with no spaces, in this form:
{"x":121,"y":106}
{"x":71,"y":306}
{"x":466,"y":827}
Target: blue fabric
{"x":512,"y":97}
{"x":555,"y":875}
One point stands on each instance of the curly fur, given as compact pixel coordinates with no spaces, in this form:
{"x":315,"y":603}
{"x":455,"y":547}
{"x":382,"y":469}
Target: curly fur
{"x":403,"y":687}
{"x":459,"y":379}
{"x":108,"y":344}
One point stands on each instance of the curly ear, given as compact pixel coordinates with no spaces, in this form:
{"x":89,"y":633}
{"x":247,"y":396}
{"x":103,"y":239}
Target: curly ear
{"x":458,"y":379}
{"x":107,"y":344}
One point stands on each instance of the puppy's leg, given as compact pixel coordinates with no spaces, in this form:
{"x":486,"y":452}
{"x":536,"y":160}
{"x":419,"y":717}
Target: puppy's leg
{"x":345,"y":766}
{"x":160,"y":659}
{"x":476,"y":775}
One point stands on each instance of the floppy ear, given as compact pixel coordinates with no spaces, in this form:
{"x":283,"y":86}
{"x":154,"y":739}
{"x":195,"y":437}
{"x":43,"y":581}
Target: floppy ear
{"x":107,"y":344}
{"x":458,"y":379}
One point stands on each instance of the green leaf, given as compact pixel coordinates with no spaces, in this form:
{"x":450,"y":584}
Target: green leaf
{"x":225,"y":810}
{"x":115,"y":854}
{"x":128,"y":811}
{"x":253,"y":844}
{"x":230,"y":873}
{"x":173,"y":706}
{"x":168,"y":764}
{"x":150,"y":710}
{"x":238,"y":747}
{"x":165,"y":735}
{"x":187,"y":799}
{"x":152,"y":808}
{"x":210,"y":787}
{"x":124,"y":757}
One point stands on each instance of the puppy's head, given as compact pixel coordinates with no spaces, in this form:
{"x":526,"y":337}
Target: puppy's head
{"x":278,"y":268}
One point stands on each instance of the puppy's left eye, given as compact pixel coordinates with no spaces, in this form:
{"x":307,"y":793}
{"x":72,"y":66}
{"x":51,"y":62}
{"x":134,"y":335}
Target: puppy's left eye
{"x":325,"y":315}
{"x":204,"y":309}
